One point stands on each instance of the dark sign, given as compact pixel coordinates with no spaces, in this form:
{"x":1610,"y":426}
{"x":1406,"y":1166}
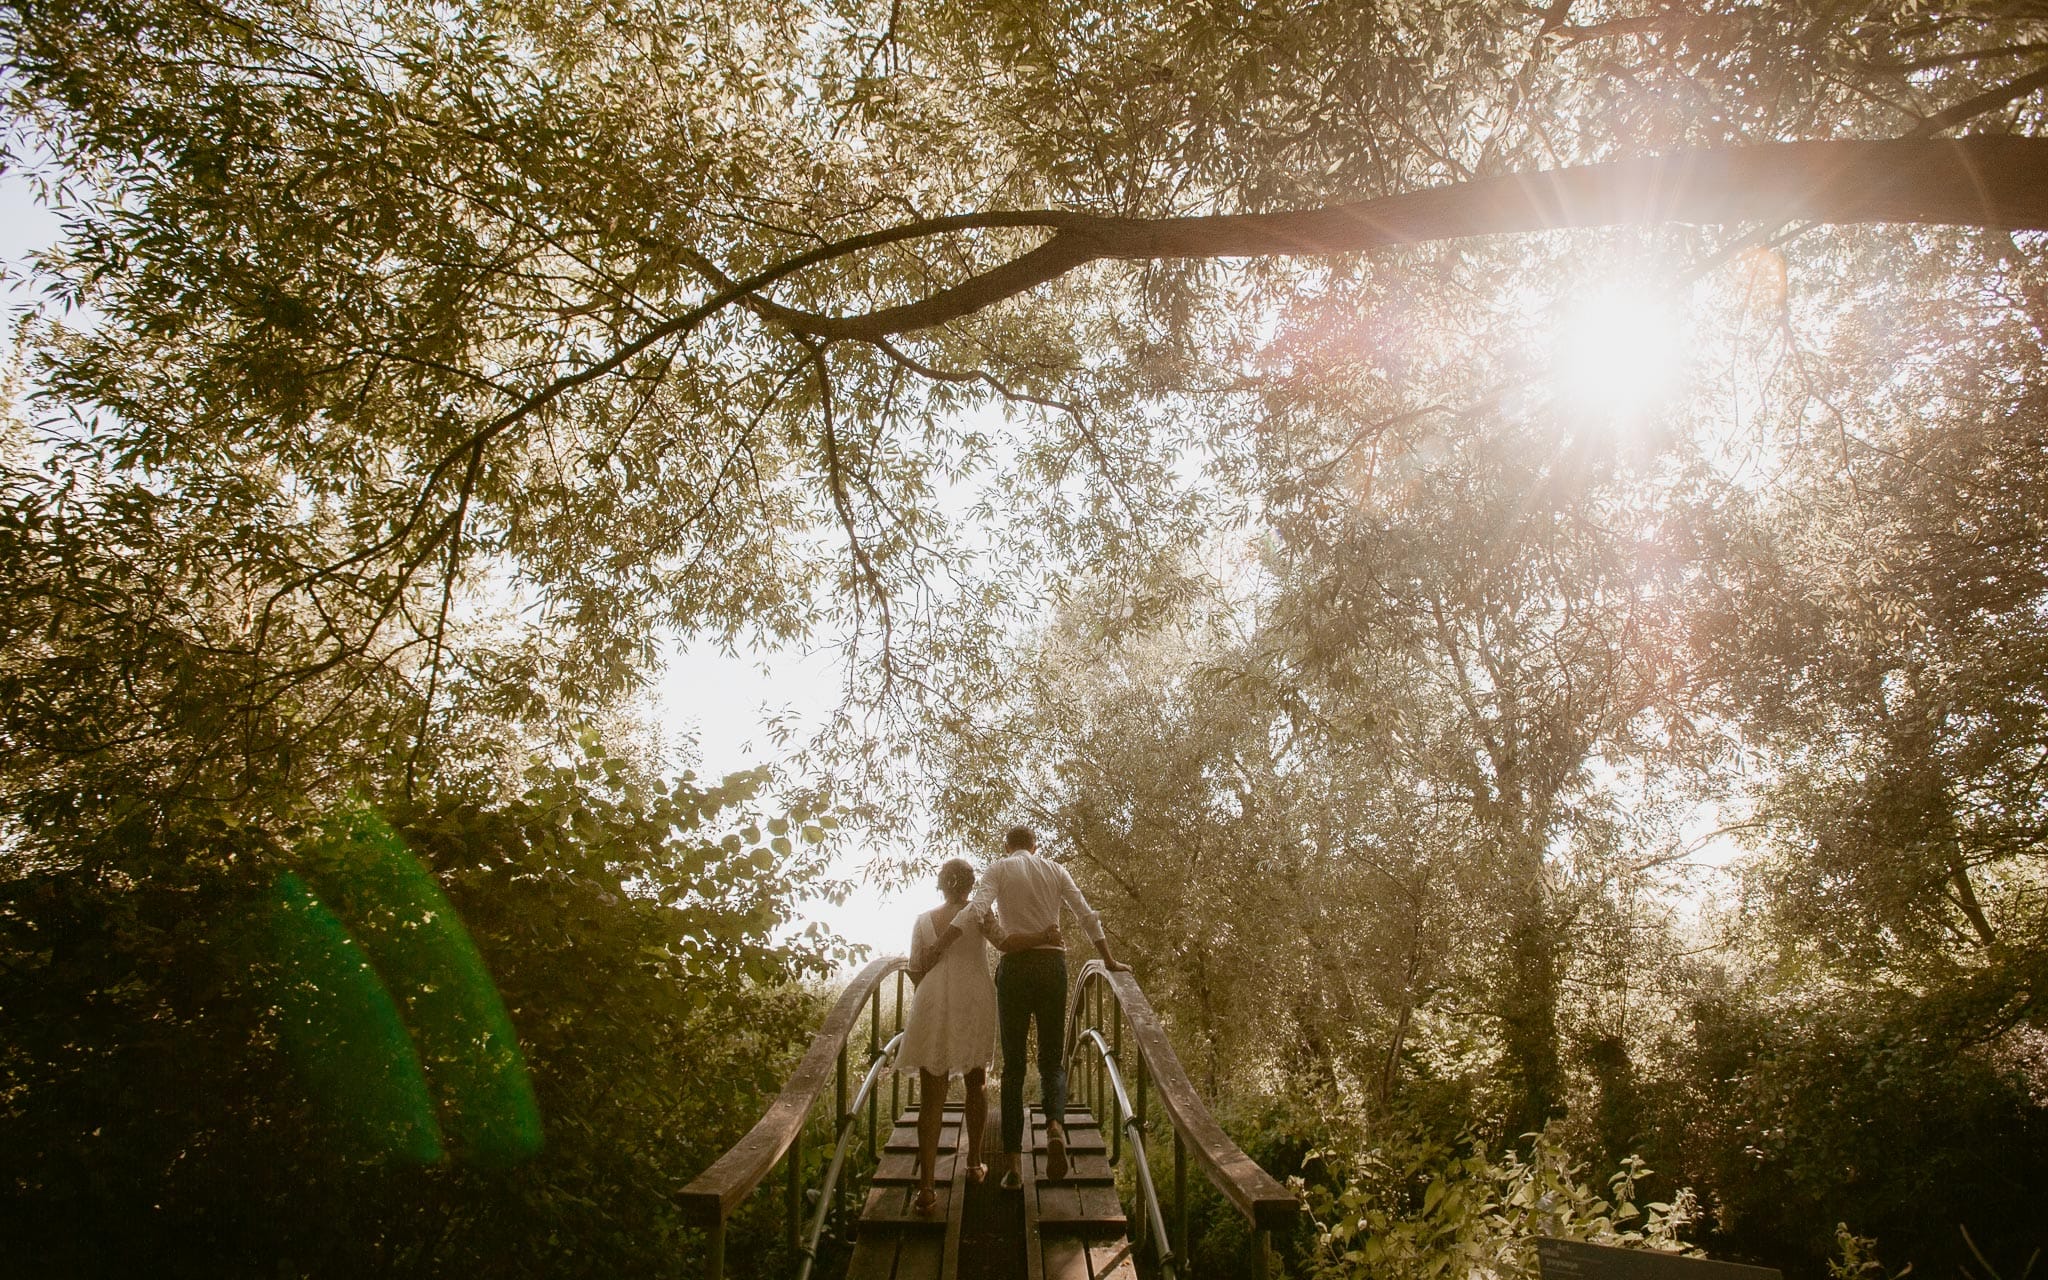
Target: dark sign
{"x":1575,"y":1260}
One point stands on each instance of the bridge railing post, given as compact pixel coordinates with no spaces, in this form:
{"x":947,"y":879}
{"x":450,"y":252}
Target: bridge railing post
{"x":1116,"y":1134}
{"x":1180,"y":1196}
{"x":792,"y":1192}
{"x":1100,"y":1078}
{"x":874,"y":1047}
{"x":895,"y":1101}
{"x":1091,"y":992}
{"x":1084,"y":1087}
{"x":1144,"y":1084}
{"x":839,"y":1131}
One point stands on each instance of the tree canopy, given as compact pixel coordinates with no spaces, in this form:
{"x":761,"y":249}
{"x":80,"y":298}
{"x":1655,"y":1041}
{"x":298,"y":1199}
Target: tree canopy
{"x":669,"y":313}
{"x":1167,"y":408}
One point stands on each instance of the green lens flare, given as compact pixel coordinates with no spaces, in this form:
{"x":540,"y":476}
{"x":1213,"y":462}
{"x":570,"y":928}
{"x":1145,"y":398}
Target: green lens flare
{"x":399,"y":921}
{"x":341,"y":1029}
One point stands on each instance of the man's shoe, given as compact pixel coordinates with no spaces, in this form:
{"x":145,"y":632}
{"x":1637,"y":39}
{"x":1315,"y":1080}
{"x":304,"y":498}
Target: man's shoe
{"x":1056,"y":1154}
{"x":1011,"y":1182}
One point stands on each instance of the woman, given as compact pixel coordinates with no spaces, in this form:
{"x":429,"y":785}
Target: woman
{"x":952,"y":1026}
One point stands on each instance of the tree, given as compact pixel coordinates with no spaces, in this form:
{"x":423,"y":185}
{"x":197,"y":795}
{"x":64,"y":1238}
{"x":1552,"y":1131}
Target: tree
{"x":1884,"y":617}
{"x":1242,"y":848}
{"x":404,"y":372}
{"x":466,"y":294}
{"x":633,"y":927}
{"x":1512,"y":599}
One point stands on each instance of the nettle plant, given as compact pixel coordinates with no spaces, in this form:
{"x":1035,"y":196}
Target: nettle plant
{"x":1426,"y":1208}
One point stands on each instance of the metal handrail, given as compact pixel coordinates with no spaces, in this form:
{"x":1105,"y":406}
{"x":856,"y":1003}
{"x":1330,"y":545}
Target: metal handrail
{"x":1256,"y":1194}
{"x":714,"y":1194}
{"x":1154,"y":1215}
{"x":881,"y":1062}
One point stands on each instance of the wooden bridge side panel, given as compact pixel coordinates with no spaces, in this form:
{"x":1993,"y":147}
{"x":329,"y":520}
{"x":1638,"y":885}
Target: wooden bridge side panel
{"x":896,"y":1166}
{"x":1085,"y":1201}
{"x":923,"y":1257}
{"x":1084,"y":1168}
{"x":895,"y":1256}
{"x":1057,"y":1203}
{"x":1083,"y":1134}
{"x":713,"y":1194}
{"x":1074,"y":1229}
{"x":1256,"y":1193}
{"x":894,"y":1203}
{"x":1078,"y":1222}
{"x":956,"y":1209}
{"x":903,"y":1138}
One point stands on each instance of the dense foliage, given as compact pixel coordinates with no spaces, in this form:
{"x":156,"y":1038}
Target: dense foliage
{"x":1185,"y":418}
{"x":157,"y":1120}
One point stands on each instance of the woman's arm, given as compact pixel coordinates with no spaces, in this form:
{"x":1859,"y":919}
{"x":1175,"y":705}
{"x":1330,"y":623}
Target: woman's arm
{"x":1046,"y":937}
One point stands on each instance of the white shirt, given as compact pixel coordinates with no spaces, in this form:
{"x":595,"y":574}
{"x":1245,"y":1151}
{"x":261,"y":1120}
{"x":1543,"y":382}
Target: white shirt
{"x":1028,"y":891}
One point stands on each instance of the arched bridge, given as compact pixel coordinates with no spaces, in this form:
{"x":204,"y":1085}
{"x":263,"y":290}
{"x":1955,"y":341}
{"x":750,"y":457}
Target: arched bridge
{"x":1133,"y":1121}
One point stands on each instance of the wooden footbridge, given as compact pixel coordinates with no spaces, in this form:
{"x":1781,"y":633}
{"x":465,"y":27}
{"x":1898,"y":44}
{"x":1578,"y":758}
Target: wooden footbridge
{"x":1134,"y":1127}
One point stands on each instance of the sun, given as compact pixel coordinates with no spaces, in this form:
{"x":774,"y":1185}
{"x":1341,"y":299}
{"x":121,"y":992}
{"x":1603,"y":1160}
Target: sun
{"x":1618,"y":352}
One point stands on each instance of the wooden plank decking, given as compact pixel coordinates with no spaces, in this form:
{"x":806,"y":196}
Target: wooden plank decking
{"x":1069,"y":1230}
{"x":1080,"y":1227}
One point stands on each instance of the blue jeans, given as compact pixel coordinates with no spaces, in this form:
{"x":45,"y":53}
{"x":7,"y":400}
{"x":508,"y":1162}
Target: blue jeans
{"x":1032,"y":984}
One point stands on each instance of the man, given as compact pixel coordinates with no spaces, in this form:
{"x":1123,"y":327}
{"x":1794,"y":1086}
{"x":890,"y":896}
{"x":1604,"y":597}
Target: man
{"x":1029,"y":892}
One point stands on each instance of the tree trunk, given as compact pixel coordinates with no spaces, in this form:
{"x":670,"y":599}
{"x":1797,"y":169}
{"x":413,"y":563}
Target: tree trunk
{"x":1620,"y":1120}
{"x":1390,"y":1069}
{"x":1528,"y":1009}
{"x":1963,"y":889}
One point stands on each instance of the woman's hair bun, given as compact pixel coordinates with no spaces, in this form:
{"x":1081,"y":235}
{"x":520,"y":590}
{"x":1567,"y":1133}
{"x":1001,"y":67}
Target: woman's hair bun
{"x":956,"y":876}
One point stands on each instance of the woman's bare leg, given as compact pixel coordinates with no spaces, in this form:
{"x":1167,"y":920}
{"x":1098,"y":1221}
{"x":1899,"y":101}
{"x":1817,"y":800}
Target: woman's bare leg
{"x":977,"y":1113}
{"x":931,"y":1116}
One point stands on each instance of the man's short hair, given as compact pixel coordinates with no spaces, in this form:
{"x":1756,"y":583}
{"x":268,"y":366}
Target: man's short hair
{"x":1019,"y":838}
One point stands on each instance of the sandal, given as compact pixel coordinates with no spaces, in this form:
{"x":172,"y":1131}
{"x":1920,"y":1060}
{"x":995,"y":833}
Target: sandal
{"x":927,"y":1202}
{"x":977,"y":1173}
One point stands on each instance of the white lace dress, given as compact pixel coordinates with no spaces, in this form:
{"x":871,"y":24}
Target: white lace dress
{"x":952,"y":1025}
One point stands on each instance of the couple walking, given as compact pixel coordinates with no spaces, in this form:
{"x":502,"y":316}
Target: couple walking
{"x":956,"y":1013}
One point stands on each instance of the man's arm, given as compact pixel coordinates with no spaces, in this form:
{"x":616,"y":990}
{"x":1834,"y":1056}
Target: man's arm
{"x":924,"y":956}
{"x":984,"y":894}
{"x":1091,"y":923}
{"x":982,"y":901}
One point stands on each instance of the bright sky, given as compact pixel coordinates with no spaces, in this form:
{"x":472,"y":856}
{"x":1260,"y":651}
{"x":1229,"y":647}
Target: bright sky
{"x":728,"y":705}
{"x":25,"y":226}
